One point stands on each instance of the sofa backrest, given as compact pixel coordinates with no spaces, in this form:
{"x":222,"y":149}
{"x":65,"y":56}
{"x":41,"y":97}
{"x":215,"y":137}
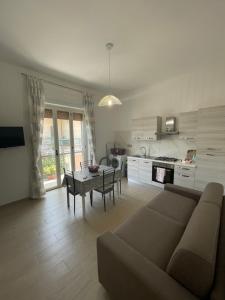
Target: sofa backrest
{"x":193,"y":261}
{"x":213,"y":194}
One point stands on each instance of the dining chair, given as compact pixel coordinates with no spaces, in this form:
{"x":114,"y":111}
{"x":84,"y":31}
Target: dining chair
{"x":121,"y":175}
{"x":84,"y":164}
{"x":115,"y":165}
{"x":107,"y":187}
{"x":70,"y":186}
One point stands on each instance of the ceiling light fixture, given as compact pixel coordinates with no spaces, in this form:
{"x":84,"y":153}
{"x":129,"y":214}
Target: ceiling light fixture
{"x":110,"y":99}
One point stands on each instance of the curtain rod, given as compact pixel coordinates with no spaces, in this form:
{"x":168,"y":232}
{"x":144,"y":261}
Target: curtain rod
{"x":57,"y":84}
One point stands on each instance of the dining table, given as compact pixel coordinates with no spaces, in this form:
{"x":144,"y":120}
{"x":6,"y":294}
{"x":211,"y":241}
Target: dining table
{"x":87,"y":181}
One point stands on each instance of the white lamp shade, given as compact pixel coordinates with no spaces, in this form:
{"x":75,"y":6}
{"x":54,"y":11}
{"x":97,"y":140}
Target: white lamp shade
{"x":109,"y":100}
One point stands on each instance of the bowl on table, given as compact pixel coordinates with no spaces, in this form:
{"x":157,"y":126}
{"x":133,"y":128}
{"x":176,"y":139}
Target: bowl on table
{"x":93,"y":169}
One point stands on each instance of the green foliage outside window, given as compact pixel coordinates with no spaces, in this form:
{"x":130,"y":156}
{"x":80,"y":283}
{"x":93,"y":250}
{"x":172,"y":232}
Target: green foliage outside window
{"x":48,"y":166}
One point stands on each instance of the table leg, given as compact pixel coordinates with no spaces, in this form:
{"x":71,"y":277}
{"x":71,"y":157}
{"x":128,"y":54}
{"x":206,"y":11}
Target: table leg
{"x":118,"y":191}
{"x":83,"y":205}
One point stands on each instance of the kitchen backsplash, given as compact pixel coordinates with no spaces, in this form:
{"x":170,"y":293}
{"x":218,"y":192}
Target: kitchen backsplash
{"x":170,"y":146}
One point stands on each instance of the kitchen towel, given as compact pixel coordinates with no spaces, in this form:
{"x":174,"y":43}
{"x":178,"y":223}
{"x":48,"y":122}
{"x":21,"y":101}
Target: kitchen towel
{"x":160,"y":174}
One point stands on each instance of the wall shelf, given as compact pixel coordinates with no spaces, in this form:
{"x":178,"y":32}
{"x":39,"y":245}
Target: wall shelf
{"x":167,"y":133}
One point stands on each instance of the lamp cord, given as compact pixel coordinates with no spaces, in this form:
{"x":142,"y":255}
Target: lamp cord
{"x":109,"y":70}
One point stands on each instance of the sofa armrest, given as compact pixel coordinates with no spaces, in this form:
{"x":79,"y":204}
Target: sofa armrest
{"x":183,"y":191}
{"x":126,"y":274}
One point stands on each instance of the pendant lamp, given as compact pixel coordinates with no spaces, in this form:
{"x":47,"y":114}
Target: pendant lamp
{"x":109,"y":99}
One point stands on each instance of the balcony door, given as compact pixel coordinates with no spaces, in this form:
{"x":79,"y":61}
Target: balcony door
{"x":62,"y":145}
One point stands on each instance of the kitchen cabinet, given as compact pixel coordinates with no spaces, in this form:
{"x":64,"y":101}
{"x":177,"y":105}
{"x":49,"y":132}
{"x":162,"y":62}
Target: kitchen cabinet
{"x":133,"y":168}
{"x":145,"y":171}
{"x":139,"y":170}
{"x":184,"y":176}
{"x":146,"y":129}
{"x":210,"y":143}
{"x":187,"y":125}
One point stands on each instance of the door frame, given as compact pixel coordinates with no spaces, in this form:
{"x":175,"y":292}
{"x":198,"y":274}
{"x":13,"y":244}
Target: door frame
{"x":70,"y":110}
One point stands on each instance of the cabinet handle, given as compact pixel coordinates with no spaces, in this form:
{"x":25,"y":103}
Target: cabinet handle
{"x":185,"y":175}
{"x":146,"y":162}
{"x":186,"y":169}
{"x":209,"y":154}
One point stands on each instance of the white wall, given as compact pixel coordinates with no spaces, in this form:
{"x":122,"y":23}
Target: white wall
{"x":15,"y":162}
{"x":182,"y":93}
{"x":105,"y":119}
{"x":186,"y":92}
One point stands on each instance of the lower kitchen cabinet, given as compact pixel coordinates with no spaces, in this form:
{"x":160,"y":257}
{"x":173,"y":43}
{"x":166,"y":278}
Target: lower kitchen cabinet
{"x":139,"y":170}
{"x":211,"y":168}
{"x":184,"y":176}
{"x":145,"y":171}
{"x":133,"y":168}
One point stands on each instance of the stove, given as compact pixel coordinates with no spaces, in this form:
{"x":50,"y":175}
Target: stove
{"x":167,"y":159}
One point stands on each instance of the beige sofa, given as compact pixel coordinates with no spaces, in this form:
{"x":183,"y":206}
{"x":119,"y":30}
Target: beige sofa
{"x":171,"y":249}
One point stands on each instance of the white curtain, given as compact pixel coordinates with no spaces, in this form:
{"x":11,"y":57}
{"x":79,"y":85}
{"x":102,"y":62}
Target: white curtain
{"x":36,"y":108}
{"x":90,"y":125}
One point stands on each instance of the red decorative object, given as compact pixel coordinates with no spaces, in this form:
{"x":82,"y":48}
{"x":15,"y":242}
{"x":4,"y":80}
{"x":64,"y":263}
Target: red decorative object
{"x":93,"y":169}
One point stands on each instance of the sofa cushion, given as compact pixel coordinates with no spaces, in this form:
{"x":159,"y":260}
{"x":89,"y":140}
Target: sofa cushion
{"x":153,"y":235}
{"x":173,"y":205}
{"x":193,"y":261}
{"x":213,"y":193}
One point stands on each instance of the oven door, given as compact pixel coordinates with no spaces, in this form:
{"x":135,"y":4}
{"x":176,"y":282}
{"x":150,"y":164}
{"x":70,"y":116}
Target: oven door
{"x":162,"y":174}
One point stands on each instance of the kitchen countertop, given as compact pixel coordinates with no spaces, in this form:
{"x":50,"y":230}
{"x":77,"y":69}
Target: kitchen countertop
{"x":152,"y":158}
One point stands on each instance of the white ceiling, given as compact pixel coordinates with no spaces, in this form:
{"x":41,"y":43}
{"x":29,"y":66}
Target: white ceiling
{"x":154,"y":39}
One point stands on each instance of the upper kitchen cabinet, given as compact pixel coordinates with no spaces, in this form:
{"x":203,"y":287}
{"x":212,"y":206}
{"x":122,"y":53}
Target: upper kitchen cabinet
{"x":146,"y":129}
{"x":188,"y":125}
{"x":210,"y":143}
{"x":211,"y":128}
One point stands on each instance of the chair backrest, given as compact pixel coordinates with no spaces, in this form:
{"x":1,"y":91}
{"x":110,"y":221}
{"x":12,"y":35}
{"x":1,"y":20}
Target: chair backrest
{"x":84,"y":164}
{"x":70,"y":180}
{"x":108,"y":178}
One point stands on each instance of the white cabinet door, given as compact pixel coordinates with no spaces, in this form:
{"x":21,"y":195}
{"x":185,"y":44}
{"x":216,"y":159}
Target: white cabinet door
{"x":210,"y":142}
{"x":145,"y":171}
{"x":139,"y":170}
{"x":188,"y":125}
{"x":145,"y":129}
{"x":184,"y":176}
{"x":132,"y":168}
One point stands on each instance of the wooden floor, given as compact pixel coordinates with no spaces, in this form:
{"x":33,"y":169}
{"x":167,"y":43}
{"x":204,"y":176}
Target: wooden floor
{"x":47,"y":253}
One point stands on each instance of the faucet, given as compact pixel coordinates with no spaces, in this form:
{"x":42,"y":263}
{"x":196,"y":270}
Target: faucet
{"x":144,"y":149}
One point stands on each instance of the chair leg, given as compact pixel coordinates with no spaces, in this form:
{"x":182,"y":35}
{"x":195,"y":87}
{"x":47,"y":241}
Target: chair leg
{"x":74,"y":206}
{"x":68,"y":199}
{"x":120,"y":186}
{"x":104,"y":202}
{"x":113,"y":196}
{"x":91,"y":197}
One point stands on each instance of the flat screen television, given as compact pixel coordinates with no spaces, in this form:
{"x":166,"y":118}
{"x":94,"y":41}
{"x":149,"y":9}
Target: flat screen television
{"x":11,"y":137}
